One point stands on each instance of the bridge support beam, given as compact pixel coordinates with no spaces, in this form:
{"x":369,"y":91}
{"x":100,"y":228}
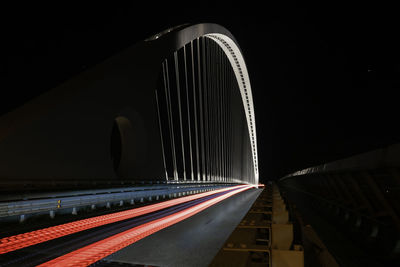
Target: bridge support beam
{"x":272,"y":239}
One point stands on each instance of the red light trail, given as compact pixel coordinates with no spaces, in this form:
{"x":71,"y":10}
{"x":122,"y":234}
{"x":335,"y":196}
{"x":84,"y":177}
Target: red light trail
{"x":101,"y":249}
{"x":11,"y":243}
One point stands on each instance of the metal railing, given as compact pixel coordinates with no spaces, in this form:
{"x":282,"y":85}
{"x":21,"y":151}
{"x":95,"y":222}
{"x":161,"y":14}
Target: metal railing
{"x":72,"y":201}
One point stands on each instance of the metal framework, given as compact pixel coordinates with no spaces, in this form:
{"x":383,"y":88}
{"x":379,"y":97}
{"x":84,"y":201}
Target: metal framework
{"x":360,"y":195}
{"x":265,"y":236}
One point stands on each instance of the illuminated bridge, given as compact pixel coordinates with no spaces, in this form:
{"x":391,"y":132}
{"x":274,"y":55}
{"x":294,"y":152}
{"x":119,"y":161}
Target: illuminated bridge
{"x":150,"y":158}
{"x":170,"y":120}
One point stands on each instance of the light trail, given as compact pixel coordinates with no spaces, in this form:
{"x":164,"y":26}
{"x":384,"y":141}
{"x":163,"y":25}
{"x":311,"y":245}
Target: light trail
{"x":101,"y":249}
{"x":11,"y":243}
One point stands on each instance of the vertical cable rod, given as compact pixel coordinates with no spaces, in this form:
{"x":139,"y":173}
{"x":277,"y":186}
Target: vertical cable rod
{"x":170,"y":119}
{"x":188,"y":114}
{"x":195,"y":114}
{"x":178,"y":89}
{"x":206,"y":87}
{"x":201,"y":111}
{"x":161,"y":136}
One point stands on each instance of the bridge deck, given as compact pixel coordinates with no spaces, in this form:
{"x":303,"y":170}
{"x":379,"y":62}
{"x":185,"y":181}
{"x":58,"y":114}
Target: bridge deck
{"x":193,"y":242}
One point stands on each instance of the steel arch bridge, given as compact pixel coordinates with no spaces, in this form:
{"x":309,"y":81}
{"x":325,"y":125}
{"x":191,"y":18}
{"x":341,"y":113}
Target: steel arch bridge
{"x":177,"y":106}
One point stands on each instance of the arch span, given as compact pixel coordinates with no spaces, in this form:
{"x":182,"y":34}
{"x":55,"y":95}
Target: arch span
{"x":65,"y":134}
{"x":185,"y":34}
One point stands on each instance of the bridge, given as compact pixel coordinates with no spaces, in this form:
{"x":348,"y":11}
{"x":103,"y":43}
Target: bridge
{"x":150,"y":158}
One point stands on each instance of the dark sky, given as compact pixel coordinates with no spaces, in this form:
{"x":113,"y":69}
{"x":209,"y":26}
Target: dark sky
{"x":322,"y":90}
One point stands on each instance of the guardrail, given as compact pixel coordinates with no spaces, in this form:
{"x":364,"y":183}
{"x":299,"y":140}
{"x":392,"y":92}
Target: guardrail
{"x":72,"y":201}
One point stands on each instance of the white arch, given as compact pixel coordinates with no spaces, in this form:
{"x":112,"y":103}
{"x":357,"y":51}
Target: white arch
{"x":183,"y":34}
{"x":238,"y":64}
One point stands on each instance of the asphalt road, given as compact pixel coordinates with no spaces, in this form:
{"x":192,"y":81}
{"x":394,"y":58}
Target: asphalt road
{"x":193,"y":242}
{"x":40,"y":253}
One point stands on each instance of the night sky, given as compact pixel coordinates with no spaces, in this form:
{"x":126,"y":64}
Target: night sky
{"x":322,"y":90}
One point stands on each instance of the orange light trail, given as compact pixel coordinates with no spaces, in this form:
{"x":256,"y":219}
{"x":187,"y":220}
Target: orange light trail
{"x":11,"y":243}
{"x":101,"y":249}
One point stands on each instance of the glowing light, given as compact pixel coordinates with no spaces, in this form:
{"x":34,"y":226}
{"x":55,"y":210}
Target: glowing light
{"x":11,"y":243}
{"x":101,"y":249}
